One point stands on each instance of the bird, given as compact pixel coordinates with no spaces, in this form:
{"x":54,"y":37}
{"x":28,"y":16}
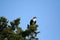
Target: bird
{"x":33,"y":21}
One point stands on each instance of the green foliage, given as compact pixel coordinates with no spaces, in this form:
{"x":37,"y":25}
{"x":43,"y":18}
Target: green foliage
{"x":32,"y":27}
{"x":9,"y":30}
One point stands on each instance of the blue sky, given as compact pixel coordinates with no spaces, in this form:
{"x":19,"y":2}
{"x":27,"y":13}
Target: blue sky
{"x":46,"y":11}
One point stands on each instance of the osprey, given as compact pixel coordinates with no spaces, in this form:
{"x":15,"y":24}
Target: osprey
{"x":33,"y":21}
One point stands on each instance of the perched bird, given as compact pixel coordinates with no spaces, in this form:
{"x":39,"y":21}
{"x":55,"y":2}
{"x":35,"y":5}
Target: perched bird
{"x":33,"y":21}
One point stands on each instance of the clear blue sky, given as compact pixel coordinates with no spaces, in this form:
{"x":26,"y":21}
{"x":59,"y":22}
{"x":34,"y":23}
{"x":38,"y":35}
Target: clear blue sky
{"x":46,"y":11}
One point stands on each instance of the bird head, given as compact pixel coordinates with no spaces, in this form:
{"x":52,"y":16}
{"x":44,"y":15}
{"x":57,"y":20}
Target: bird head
{"x":34,"y":18}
